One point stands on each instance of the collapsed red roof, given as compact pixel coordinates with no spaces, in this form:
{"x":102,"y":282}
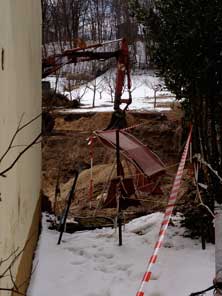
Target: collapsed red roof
{"x":135,"y":151}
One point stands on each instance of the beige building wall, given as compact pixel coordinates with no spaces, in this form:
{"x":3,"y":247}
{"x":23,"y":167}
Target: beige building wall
{"x":20,"y":100}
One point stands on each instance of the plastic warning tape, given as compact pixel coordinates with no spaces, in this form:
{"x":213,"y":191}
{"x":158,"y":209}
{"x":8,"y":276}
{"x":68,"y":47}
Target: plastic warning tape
{"x":167,"y":216}
{"x":133,"y":126}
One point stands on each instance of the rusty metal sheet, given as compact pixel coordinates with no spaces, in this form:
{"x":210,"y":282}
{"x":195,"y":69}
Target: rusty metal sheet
{"x":135,"y":151}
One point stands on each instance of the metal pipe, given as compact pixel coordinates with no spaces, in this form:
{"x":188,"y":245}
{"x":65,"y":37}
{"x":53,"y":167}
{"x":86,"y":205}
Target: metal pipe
{"x":118,"y":168}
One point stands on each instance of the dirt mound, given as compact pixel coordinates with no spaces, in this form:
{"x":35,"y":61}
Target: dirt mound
{"x":84,"y":206}
{"x":98,"y":121}
{"x":100,"y":173}
{"x":52,"y":99}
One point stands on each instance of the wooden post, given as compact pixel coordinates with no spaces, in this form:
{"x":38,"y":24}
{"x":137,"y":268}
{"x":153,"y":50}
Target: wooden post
{"x":118,"y":166}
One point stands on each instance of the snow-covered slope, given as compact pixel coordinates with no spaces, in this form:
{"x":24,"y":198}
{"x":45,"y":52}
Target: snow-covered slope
{"x":91,"y":263}
{"x":142,"y":93}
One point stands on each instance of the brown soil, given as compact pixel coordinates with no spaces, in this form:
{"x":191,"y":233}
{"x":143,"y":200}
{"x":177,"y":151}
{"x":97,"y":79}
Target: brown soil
{"x":51,"y":100}
{"x":66,"y":148}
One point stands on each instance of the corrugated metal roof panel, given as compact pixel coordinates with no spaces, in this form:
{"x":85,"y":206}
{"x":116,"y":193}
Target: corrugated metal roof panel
{"x":135,"y":151}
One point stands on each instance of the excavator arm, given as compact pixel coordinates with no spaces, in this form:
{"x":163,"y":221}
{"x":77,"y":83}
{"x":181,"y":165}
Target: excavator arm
{"x":53,"y":63}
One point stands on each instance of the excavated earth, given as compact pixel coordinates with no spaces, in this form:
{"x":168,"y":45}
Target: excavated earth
{"x":66,"y":149}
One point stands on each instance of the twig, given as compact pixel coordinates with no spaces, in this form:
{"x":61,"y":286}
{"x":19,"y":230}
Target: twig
{"x":201,"y":160}
{"x":25,"y":145}
{"x":8,"y":270}
{"x":19,"y":128}
{"x":2,"y":173}
{"x":12,"y":279}
{"x":12,"y":290}
{"x":16,"y":257}
{"x":11,"y":264}
{"x":6,"y":259}
{"x":198,"y":191}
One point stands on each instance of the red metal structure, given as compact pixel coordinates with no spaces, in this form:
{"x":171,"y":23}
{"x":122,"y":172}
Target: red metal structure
{"x":82,"y":54}
{"x":147,"y":164}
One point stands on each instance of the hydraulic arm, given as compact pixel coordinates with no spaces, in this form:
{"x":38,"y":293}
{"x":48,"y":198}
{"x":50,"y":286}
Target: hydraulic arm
{"x":53,"y":63}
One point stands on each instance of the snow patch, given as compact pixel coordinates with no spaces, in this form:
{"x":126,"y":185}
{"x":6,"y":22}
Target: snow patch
{"x":142,"y":93}
{"x":91,"y":263}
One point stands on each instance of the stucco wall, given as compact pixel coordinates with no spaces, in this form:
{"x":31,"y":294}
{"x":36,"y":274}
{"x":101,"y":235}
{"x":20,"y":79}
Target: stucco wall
{"x":20,"y":93}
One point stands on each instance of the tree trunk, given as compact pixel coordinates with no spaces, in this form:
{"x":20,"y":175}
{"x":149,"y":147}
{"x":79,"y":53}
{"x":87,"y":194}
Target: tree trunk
{"x":155,"y":99}
{"x":94,"y":96}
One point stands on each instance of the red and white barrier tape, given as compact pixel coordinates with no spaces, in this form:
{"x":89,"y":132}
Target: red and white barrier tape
{"x":167,"y":216}
{"x":133,"y":126}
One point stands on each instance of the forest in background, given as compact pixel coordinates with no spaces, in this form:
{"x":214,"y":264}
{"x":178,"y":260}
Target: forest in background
{"x":69,"y":23}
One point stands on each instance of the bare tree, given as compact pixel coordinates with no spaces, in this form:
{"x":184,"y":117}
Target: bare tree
{"x":155,"y":86}
{"x":61,"y":22}
{"x":110,"y":80}
{"x":76,"y":85}
{"x":96,"y":85}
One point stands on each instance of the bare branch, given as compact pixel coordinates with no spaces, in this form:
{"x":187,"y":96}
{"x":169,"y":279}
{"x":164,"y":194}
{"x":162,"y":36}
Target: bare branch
{"x":10,"y":256}
{"x":2,"y":173}
{"x":25,"y":145}
{"x":8,"y":270}
{"x":12,"y":279}
{"x":18,"y":129}
{"x":12,"y":290}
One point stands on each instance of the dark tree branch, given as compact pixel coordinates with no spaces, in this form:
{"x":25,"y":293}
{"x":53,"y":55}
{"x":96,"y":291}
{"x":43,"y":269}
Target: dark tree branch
{"x":12,"y":279}
{"x":2,"y":173}
{"x":12,"y":290}
{"x":7,"y":272}
{"x":19,"y":128}
{"x":25,"y":145}
{"x":10,"y":256}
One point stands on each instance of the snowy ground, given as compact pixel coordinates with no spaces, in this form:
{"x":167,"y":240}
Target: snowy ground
{"x":91,"y":263}
{"x":142,"y":93}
